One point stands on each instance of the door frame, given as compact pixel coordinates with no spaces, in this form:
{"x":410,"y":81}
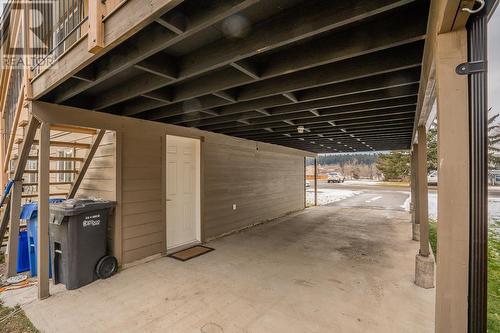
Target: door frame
{"x":198,"y":194}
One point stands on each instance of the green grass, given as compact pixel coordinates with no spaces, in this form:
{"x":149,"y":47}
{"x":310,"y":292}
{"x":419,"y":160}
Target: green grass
{"x":493,"y":271}
{"x":14,"y":320}
{"x":494,"y":277}
{"x":433,"y":236}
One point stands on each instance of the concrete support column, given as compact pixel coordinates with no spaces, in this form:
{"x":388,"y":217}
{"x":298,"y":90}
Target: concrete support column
{"x":414,"y":194}
{"x":424,"y":262}
{"x":453,"y":187}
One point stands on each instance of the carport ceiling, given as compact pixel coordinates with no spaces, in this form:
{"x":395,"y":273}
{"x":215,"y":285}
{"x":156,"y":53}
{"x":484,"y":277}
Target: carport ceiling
{"x":347,"y":71}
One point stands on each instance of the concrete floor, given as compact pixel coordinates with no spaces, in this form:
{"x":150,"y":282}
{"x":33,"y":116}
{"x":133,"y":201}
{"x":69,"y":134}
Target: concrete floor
{"x":326,"y":269}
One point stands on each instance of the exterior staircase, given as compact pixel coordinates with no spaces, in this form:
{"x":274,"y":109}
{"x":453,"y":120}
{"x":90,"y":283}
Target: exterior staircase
{"x":67,"y":172}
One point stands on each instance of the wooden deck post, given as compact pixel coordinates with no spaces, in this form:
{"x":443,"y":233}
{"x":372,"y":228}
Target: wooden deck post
{"x":15,"y":212}
{"x":96,"y":26}
{"x":43,"y":211}
{"x":424,"y":262}
{"x":423,"y":213}
{"x":453,"y":185}
{"x":28,"y":90}
{"x":315,"y":181}
{"x":414,"y":194}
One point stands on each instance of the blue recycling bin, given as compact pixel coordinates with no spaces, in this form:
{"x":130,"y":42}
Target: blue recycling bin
{"x":23,"y":259}
{"x":30,"y":213}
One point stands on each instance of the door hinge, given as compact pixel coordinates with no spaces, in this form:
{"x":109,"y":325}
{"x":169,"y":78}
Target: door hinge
{"x":472,"y":67}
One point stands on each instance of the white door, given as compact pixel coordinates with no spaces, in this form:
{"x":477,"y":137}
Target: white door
{"x":183,"y":191}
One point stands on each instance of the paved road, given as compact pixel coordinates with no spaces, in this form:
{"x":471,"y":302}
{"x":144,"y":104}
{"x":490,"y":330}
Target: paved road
{"x":382,"y":196}
{"x":389,"y":198}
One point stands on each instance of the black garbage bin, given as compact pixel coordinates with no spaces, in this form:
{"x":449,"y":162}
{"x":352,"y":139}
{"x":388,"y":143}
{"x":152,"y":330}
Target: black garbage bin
{"x":77,"y":233}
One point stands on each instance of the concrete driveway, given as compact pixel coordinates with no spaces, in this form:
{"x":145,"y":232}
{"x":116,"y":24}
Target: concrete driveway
{"x":341,"y":268}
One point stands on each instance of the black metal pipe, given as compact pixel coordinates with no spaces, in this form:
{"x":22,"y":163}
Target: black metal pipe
{"x":478,"y":130}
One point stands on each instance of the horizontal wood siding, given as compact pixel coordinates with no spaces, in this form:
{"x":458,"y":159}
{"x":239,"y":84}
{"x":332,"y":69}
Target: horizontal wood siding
{"x":262,"y":184}
{"x":143,"y":221}
{"x":264,"y":181}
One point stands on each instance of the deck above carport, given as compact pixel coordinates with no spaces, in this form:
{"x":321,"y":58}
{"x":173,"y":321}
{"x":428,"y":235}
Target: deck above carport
{"x":347,"y":72}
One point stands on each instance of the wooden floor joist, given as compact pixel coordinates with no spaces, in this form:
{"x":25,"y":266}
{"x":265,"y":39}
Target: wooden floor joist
{"x":317,"y":55}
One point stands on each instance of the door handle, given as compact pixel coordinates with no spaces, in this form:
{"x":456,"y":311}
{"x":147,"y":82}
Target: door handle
{"x":170,"y":200}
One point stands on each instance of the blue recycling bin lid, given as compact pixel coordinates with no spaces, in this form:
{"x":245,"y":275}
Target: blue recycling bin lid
{"x":30,"y":210}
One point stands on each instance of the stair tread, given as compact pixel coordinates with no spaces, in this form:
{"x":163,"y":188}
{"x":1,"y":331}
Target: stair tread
{"x":53,"y":171}
{"x":52,"y":183}
{"x":56,"y":143}
{"x":57,"y":158}
{"x":32,"y":195}
{"x":73,"y":129}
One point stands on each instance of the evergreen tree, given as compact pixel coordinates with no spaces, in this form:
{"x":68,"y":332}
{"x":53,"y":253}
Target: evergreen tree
{"x":395,"y":165}
{"x":432,"y":148}
{"x":493,"y":140}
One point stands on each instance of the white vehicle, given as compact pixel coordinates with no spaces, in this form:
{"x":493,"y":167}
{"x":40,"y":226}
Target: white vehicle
{"x":432,"y":177}
{"x":336,"y":177}
{"x":308,"y":183}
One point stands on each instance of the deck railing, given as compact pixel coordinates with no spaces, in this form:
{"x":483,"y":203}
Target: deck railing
{"x":57,"y":26}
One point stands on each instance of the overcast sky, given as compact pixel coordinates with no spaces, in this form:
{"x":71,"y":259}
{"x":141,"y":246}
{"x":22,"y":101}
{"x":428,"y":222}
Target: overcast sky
{"x":494,"y":61}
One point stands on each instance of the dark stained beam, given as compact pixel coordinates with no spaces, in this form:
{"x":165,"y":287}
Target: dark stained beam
{"x":315,"y":52}
{"x":247,"y":67}
{"x":380,"y":120}
{"x":133,"y":86}
{"x":160,"y":65}
{"x":346,"y":100}
{"x":256,"y":135}
{"x":402,"y":58}
{"x":336,"y":114}
{"x":293,"y":24}
{"x":153,"y":40}
{"x":225,"y":95}
{"x":291,"y":96}
{"x":178,"y":114}
{"x":333,"y":135}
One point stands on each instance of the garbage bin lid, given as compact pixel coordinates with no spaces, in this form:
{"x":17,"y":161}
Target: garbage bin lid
{"x":30,"y":210}
{"x":73,"y":207}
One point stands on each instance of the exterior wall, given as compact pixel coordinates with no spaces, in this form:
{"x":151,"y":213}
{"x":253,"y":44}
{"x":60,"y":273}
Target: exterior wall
{"x":264,"y":181}
{"x":262,"y":184}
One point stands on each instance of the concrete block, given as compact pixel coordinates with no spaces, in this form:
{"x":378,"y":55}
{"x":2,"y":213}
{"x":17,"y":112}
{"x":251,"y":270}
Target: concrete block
{"x":416,"y":231}
{"x":424,"y":271}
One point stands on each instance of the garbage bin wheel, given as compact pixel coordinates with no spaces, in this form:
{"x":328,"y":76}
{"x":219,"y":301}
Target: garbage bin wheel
{"x":106,"y":267}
